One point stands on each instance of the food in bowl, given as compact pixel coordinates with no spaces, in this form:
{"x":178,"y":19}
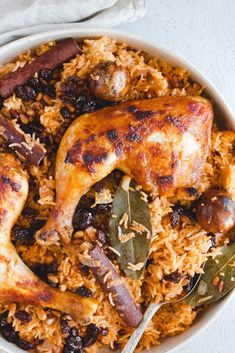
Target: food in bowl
{"x":139,"y":177}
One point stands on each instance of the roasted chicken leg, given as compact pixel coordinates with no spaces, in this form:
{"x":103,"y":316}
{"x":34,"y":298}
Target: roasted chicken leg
{"x":162,"y":143}
{"x":17,"y":282}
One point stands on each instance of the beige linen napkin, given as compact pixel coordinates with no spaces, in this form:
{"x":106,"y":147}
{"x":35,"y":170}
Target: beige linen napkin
{"x":19,"y":18}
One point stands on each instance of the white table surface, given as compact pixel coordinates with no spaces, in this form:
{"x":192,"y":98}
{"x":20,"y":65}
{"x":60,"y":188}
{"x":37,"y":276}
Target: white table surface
{"x":203,"y":32}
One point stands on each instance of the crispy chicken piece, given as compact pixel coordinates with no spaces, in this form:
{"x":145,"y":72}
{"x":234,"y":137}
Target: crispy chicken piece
{"x":162,"y":143}
{"x":17,"y":282}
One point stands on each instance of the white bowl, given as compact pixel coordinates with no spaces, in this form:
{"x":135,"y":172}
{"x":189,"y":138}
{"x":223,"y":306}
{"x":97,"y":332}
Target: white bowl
{"x":222,"y":113}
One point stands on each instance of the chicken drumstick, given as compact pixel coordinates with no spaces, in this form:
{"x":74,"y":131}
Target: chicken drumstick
{"x":161,"y":142}
{"x":17,"y":282}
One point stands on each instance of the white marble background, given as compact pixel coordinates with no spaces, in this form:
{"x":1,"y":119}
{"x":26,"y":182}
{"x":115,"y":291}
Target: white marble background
{"x":203,"y":32}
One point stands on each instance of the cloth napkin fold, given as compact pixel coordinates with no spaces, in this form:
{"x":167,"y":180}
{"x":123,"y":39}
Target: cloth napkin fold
{"x":19,"y":18}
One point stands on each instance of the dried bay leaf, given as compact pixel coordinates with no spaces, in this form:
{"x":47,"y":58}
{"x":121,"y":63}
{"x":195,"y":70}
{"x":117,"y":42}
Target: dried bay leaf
{"x":218,"y":278}
{"x":134,"y":252}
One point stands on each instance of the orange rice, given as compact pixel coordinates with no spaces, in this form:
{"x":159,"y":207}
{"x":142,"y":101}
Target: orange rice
{"x":182,"y":249}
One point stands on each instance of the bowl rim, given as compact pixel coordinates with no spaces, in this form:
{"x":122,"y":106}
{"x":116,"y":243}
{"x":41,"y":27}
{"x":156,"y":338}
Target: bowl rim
{"x":12,"y":49}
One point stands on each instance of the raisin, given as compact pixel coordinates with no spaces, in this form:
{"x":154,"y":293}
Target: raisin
{"x":175,"y":218}
{"x":80,"y":102}
{"x":23,"y":316}
{"x":26,"y":346}
{"x":83,"y":268}
{"x":84,"y":292}
{"x":33,"y":127}
{"x":65,"y":112}
{"x":72,"y":87}
{"x":23,"y":236}
{"x":10,"y":334}
{"x":30,"y":212}
{"x":73,"y":332}
{"x":115,"y":346}
{"x":1,"y":102}
{"x":64,"y":326}
{"x":82,"y":219}
{"x":91,"y":106}
{"x":3,"y":319}
{"x":188,"y":212}
{"x":73,"y":342}
{"x":26,"y":93}
{"x":191,"y":283}
{"x":91,"y":335}
{"x":174,"y":277}
{"x":42,"y":270}
{"x":101,"y":236}
{"x":46,"y":74}
{"x":49,"y":90}
{"x":89,"y":339}
{"x":35,"y":84}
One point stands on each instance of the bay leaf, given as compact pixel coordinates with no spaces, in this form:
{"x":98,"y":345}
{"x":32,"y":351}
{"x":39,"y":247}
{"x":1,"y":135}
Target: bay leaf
{"x":135,"y":250}
{"x":223,"y":267}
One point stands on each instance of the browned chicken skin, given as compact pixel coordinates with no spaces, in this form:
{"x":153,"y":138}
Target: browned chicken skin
{"x":17,"y":282}
{"x":162,"y":143}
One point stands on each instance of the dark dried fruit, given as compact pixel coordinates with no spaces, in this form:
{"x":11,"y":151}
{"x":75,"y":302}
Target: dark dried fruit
{"x":72,"y":87}
{"x":1,"y":102}
{"x":175,"y":218}
{"x":89,"y":339}
{"x":33,"y":127}
{"x":42,"y":271}
{"x":26,"y":346}
{"x":46,"y":74}
{"x":101,"y":236}
{"x":64,"y":326}
{"x":26,"y":93}
{"x":30,"y":212}
{"x":174,"y":277}
{"x":3,"y":319}
{"x":49,"y":90}
{"x":191,"y":283}
{"x":84,"y":292}
{"x":84,"y":269}
{"x":73,"y":343}
{"x":91,"y":335}
{"x":115,"y":346}
{"x":65,"y":112}
{"x":186,"y":211}
{"x":35,"y":84}
{"x":9,"y":334}
{"x":80,"y":102}
{"x":23,"y":236}
{"x":23,"y":316}
{"x":83,"y":218}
